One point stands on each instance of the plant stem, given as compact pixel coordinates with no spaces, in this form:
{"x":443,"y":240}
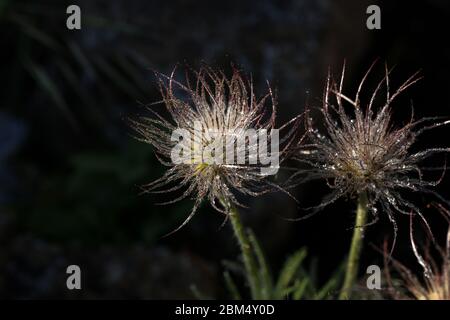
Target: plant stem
{"x":355,"y":248}
{"x":250,"y":265}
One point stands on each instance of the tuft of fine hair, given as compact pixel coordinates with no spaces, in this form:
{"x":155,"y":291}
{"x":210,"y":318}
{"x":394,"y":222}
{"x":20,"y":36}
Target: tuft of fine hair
{"x":227,"y":106}
{"x":360,"y":149}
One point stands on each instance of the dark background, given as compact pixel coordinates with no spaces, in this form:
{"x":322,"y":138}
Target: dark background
{"x":70,"y":171}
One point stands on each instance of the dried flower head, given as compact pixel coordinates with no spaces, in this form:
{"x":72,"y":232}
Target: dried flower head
{"x":435,"y":284}
{"x":214,"y":141}
{"x":362,"y":151}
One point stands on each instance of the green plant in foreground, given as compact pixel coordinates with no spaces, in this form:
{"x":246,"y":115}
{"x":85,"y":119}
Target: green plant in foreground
{"x":293,"y":281}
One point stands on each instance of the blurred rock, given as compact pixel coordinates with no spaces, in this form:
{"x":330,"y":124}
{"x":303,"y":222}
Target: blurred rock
{"x":32,"y":268}
{"x":12,"y":135}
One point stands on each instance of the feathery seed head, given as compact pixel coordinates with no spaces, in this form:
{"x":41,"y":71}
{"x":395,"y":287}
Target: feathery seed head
{"x":435,"y":285}
{"x":216,"y":139}
{"x":362,"y":151}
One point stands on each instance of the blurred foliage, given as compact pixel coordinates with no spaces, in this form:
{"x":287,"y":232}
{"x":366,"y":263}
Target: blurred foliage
{"x":99,"y":200}
{"x":81,"y":180}
{"x":74,"y":74}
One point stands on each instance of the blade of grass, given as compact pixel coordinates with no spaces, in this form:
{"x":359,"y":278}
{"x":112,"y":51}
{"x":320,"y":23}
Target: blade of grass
{"x":131,"y":70}
{"x":234,"y":266}
{"x":74,"y":82}
{"x":288,"y":271}
{"x":197,"y":293}
{"x":81,"y":58}
{"x":265,"y":275}
{"x":332,"y":284}
{"x":300,"y":288}
{"x":231,"y":286}
{"x":50,"y":87}
{"x":117,"y":78}
{"x":33,"y":32}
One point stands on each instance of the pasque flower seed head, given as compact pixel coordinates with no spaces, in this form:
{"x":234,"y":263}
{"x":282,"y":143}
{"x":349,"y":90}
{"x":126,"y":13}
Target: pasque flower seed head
{"x":215,"y":139}
{"x":361,"y":150}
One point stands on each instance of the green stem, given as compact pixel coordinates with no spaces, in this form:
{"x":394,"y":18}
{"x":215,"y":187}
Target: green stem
{"x":250,"y":265}
{"x":355,"y":248}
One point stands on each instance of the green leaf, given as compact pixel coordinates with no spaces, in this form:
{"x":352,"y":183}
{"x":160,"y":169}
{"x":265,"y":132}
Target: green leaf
{"x":300,"y":288}
{"x":33,"y":32}
{"x":313,"y":267}
{"x":231,"y":286}
{"x":288,"y":272}
{"x":325,"y":290}
{"x":332,"y":284}
{"x":234,"y":266}
{"x":197,"y":293}
{"x":116,"y":77}
{"x":50,"y":87}
{"x":73,"y":82}
{"x":131,"y":70}
{"x":264,"y":272}
{"x":81,"y":58}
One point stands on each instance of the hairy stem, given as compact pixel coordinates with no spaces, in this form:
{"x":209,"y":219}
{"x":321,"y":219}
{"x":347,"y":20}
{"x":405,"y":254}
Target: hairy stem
{"x":250,"y":265}
{"x":351,"y":271}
